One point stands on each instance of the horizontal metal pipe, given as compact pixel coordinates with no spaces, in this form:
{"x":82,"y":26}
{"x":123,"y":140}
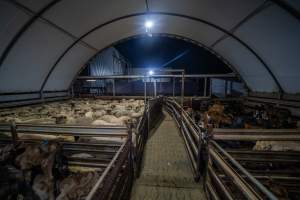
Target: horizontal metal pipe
{"x":85,"y":164}
{"x":255,"y":131}
{"x":90,"y":150}
{"x":68,"y":132}
{"x":256,"y":134}
{"x":89,"y":160}
{"x":32,"y":101}
{"x":230,"y":75}
{"x":264,"y":153}
{"x":257,"y":137}
{"x":84,"y":144}
{"x":275,"y":178}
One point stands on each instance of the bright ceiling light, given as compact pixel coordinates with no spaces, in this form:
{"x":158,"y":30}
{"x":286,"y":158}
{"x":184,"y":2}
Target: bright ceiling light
{"x":148,"y":24}
{"x":90,"y":80}
{"x":151,"y":72}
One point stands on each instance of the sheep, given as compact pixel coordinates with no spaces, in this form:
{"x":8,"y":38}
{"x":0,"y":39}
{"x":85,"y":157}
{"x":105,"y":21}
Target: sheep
{"x":111,"y":119}
{"x":31,"y":157}
{"x":136,"y":115}
{"x":46,"y":137}
{"x":82,"y":111}
{"x":89,"y":114}
{"x":100,"y":122}
{"x":60,"y":119}
{"x":119,"y":113}
{"x":77,"y":186}
{"x":42,"y":188}
{"x":71,"y":120}
{"x":98,"y":114}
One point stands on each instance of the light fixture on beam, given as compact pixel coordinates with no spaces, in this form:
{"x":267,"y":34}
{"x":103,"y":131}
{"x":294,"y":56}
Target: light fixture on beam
{"x":90,"y":80}
{"x":150,"y":72}
{"x":148,"y":25}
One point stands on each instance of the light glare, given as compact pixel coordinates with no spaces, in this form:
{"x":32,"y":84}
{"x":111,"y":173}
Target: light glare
{"x":151,"y":72}
{"x":148,"y":24}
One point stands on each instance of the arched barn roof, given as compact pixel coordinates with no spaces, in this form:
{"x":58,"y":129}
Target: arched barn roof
{"x":44,"y":43}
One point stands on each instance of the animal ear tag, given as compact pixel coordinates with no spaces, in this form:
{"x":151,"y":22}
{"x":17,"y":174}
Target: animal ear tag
{"x":44,"y":145}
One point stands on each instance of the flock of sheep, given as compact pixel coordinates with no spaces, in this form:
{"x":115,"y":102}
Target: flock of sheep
{"x":29,"y":168}
{"x":78,"y":112}
{"x":235,"y":115}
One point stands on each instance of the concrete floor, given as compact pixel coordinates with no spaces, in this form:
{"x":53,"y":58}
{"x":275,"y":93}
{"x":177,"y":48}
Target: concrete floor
{"x":166,"y":172}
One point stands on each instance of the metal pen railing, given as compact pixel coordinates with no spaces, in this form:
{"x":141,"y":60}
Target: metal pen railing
{"x":113,"y":159}
{"x":193,"y":136}
{"x":245,"y":172}
{"x":242,"y":187}
{"x":151,"y":115}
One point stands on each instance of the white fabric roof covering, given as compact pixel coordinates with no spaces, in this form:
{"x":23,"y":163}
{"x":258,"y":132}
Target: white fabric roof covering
{"x":45,"y":55}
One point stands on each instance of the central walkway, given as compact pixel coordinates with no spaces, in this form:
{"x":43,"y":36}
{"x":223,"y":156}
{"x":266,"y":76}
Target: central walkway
{"x":166,"y":172}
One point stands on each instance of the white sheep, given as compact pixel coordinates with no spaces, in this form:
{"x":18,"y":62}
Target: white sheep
{"x":89,"y":114}
{"x":100,"y":122}
{"x":98,"y":114}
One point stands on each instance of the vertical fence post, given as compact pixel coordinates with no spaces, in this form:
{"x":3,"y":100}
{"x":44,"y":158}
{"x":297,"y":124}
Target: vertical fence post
{"x":174,"y":86}
{"x":226,"y":86}
{"x":13,"y":130}
{"x":205,"y":86}
{"x":230,"y":87}
{"x":72,"y":91}
{"x":145,"y":90}
{"x":182,"y":88}
{"x":114,"y":87}
{"x":182,"y":98}
{"x":154,"y":83}
{"x":210,"y":87}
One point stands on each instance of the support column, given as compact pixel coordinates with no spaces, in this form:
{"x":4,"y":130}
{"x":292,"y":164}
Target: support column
{"x":182,"y":89}
{"x":205,"y":86}
{"x":210,"y":87}
{"x":174,"y":86}
{"x":114,"y":89}
{"x":145,"y":90}
{"x":154,"y":84}
{"x":226,"y":85}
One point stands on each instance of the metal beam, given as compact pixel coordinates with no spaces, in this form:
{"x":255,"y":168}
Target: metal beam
{"x":230,"y":75}
{"x":257,"y":134}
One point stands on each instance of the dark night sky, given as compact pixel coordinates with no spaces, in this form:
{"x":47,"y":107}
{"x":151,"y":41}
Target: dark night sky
{"x":153,"y":52}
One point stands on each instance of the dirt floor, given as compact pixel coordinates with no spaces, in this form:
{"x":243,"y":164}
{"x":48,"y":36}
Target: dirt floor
{"x":166,"y":172}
